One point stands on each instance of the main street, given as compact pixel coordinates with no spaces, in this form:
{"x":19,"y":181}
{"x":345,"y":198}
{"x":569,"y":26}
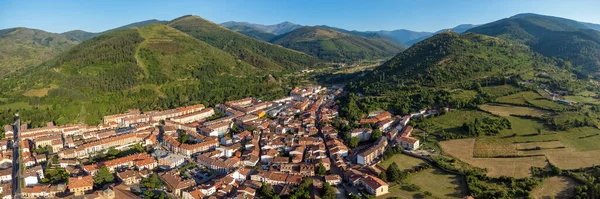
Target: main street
{"x":16,"y":169}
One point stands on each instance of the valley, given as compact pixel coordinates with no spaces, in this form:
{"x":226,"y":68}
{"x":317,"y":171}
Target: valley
{"x":506,"y":109}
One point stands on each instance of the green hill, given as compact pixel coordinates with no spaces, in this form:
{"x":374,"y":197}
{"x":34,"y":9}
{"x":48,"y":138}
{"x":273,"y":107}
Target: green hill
{"x":251,"y":31}
{"x":79,"y":35}
{"x":331,"y":45}
{"x":451,"y":60}
{"x":22,"y":47}
{"x":152,"y":67}
{"x":550,"y":36}
{"x":275,"y":29}
{"x":261,"y":54}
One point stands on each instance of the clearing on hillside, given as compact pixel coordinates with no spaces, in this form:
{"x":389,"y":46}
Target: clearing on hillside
{"x":559,"y":187}
{"x":507,"y":110}
{"x":516,"y":167}
{"x":39,"y":92}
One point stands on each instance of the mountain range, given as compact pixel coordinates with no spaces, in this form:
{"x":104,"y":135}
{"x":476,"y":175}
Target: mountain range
{"x":164,"y":64}
{"x":551,"y":36}
{"x":401,"y":36}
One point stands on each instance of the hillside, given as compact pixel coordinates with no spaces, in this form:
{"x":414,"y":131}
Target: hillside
{"x":550,"y":36}
{"x":250,"y":31}
{"x":22,"y":47}
{"x":254,"y":52}
{"x":80,"y":35}
{"x":152,"y":67}
{"x":275,"y":29}
{"x":331,"y":45}
{"x":451,"y":60}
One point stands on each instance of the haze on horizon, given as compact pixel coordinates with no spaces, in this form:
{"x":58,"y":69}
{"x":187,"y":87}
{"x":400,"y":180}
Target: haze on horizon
{"x":65,"y":15}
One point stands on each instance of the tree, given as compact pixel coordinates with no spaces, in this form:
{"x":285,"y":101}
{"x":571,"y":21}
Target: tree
{"x":354,"y":196}
{"x":138,"y":147}
{"x":321,"y":170}
{"x":376,"y":135}
{"x":266,"y":191}
{"x":353,"y":142}
{"x":394,"y":174}
{"x":328,"y":191}
{"x":55,"y":176}
{"x":183,"y":137}
{"x":103,"y":176}
{"x":383,"y":176}
{"x":152,"y":182}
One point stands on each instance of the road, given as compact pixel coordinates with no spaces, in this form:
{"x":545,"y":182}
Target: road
{"x":16,"y":178}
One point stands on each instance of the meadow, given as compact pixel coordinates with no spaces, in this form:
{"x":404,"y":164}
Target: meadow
{"x":558,"y":187}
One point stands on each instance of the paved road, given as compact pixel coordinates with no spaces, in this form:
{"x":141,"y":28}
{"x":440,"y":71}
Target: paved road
{"x":16,"y":178}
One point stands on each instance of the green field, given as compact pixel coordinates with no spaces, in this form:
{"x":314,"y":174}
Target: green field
{"x":438,"y":183}
{"x":507,"y":110}
{"x":16,"y":105}
{"x":452,"y":121}
{"x":463,"y":95}
{"x":582,"y":99}
{"x":403,"y":161}
{"x":500,"y":90}
{"x":530,"y":98}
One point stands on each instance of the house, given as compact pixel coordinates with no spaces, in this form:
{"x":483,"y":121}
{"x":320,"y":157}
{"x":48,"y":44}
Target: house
{"x":81,"y":184}
{"x":409,"y":143}
{"x":6,"y":175}
{"x":363,"y":134}
{"x":6,"y":190}
{"x":171,"y":161}
{"x":333,"y":179}
{"x":42,"y":191}
{"x":374,"y":185}
{"x":129,"y":177}
{"x":175,"y":183}
{"x":367,"y":156}
{"x":32,"y":175}
{"x":193,"y":194}
{"x":8,"y":131}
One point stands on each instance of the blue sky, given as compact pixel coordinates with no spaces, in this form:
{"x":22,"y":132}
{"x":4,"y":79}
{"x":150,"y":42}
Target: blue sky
{"x":418,"y":15}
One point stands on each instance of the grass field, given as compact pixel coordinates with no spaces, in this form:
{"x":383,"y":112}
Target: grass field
{"x":39,"y":92}
{"x":572,"y":149}
{"x":582,"y":99}
{"x":438,"y":183}
{"x":453,"y":120}
{"x":403,"y":161}
{"x":16,"y":105}
{"x":530,"y":98}
{"x":500,"y":90}
{"x":463,"y":95}
{"x":558,"y":187}
{"x":507,"y":110}
{"x":496,"y":167}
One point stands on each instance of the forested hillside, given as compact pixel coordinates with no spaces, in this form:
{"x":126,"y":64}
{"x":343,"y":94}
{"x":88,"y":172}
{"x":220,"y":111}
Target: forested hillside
{"x":21,"y":48}
{"x":331,"y":45}
{"x":155,"y":67}
{"x":254,"y":52}
{"x":551,"y":36}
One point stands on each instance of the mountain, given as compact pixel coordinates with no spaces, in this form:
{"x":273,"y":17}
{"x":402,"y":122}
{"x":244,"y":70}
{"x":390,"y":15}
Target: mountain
{"x":331,"y":45}
{"x":459,"y":29}
{"x":79,"y":35}
{"x":151,"y":67}
{"x":22,"y":47}
{"x":249,"y":31}
{"x":451,"y":60}
{"x":401,"y":36}
{"x":261,"y":54}
{"x":275,"y":29}
{"x":550,"y":36}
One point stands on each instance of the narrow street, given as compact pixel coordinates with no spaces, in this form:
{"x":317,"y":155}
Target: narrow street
{"x":16,"y":178}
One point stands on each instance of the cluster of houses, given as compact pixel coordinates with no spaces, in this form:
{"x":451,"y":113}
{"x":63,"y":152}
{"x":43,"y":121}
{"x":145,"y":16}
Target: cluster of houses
{"x":251,"y":142}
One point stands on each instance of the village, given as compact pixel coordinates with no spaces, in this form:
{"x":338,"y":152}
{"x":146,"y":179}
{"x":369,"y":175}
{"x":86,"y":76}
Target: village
{"x":230,"y":150}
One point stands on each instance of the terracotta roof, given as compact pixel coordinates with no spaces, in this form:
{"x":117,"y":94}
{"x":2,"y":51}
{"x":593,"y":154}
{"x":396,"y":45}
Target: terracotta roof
{"x":81,"y":181}
{"x":373,"y":182}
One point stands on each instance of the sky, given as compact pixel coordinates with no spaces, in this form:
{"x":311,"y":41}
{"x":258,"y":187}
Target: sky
{"x":418,"y":15}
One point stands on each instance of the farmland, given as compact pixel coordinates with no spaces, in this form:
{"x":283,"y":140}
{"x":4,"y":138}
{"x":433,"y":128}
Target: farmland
{"x":500,"y":90}
{"x":507,"y":110}
{"x":555,"y":187}
{"x":496,"y":167}
{"x":39,"y":92}
{"x":452,"y":121}
{"x":434,"y":181}
{"x":404,"y":162}
{"x":528,"y":144}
